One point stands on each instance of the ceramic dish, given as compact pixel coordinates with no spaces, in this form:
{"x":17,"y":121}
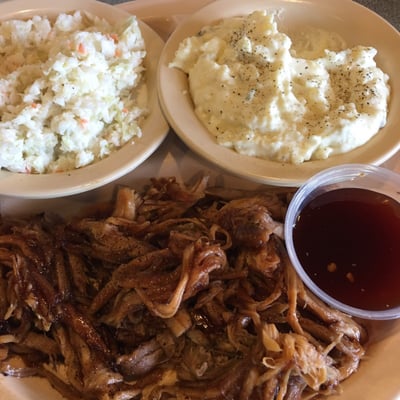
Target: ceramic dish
{"x":377,"y":377}
{"x":118,"y":163}
{"x":355,"y":23}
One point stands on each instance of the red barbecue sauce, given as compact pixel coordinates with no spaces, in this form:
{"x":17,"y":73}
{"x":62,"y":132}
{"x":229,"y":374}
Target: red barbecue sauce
{"x":348,"y":241}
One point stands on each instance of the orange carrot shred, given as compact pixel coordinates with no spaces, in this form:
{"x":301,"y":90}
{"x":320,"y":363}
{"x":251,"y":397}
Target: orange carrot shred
{"x":114,"y":37}
{"x":81,"y":48}
{"x":83,"y":121}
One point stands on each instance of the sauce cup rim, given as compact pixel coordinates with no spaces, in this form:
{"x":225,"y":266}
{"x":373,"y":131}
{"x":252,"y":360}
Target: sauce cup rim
{"x":310,"y":189}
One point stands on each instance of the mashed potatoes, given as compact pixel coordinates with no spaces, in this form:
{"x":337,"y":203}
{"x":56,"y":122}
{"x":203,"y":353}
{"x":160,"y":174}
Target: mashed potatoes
{"x":71,"y":91}
{"x":267,"y":97}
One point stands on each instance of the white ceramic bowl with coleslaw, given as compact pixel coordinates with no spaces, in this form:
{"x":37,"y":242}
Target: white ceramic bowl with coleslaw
{"x":121,"y":161}
{"x":356,"y":24}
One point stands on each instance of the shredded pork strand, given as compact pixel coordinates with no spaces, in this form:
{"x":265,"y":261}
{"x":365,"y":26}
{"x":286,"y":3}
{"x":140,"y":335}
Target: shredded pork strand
{"x":175,"y":292}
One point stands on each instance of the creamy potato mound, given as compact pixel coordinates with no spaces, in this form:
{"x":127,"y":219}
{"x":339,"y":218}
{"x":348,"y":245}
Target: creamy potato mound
{"x":264,"y":95}
{"x":71,"y":90}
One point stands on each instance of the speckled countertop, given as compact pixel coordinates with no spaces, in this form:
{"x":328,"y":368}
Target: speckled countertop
{"x":388,"y":9}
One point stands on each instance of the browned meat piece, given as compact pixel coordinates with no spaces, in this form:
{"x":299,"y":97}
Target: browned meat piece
{"x":173,"y":293}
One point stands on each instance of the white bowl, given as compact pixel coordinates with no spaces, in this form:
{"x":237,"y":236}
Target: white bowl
{"x":349,"y":176}
{"x":355,"y":23}
{"x":119,"y":163}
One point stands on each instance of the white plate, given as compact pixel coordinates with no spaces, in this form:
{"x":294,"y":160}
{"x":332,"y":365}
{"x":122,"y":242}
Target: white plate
{"x":119,"y":163}
{"x":355,"y":23}
{"x":378,"y":374}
